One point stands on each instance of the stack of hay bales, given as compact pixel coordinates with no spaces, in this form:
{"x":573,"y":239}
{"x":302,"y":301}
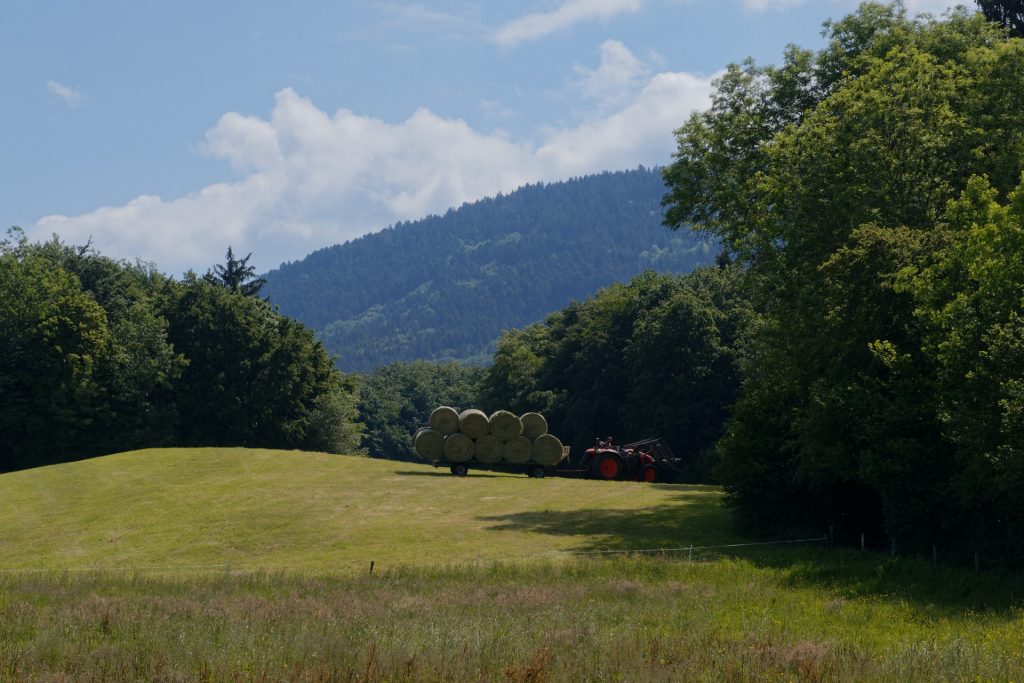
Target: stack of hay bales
{"x":503,"y":437}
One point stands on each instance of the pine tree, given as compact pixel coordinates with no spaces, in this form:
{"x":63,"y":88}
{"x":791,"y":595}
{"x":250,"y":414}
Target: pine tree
{"x":236,"y":275}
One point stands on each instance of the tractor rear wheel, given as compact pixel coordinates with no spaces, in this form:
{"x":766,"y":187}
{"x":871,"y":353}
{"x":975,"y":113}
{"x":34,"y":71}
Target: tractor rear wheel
{"x":648,"y":474}
{"x":607,"y":466}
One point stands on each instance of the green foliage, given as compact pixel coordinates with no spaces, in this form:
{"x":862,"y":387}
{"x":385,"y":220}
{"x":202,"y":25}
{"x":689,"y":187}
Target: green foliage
{"x":98,"y":355}
{"x":54,"y":340}
{"x":836,"y":182}
{"x":655,"y":357}
{"x":397,"y":399}
{"x":445,"y":287}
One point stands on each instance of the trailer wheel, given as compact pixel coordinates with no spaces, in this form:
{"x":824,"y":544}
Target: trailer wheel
{"x":648,"y":474}
{"x":537,"y":472}
{"x":607,"y":466}
{"x":460,"y":470}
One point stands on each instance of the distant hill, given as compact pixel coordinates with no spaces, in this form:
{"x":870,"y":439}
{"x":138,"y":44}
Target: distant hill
{"x":444,"y":287}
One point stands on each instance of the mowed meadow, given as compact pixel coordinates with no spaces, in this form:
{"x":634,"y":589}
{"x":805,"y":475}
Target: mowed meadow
{"x":235,"y":564}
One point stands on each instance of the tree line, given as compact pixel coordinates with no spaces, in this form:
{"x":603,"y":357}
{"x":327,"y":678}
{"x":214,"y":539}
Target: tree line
{"x":99,"y":356}
{"x":871,"y":192}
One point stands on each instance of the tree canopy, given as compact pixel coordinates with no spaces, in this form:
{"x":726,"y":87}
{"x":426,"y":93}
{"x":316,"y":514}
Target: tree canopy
{"x":654,"y":357}
{"x":844,"y":182}
{"x":98,"y":356}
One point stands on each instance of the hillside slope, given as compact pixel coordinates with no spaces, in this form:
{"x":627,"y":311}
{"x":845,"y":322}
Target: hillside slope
{"x":306,"y":511}
{"x":443,"y":288}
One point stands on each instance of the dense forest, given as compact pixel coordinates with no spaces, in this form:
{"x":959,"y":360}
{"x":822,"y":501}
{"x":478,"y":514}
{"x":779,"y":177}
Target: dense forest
{"x":444,"y":288}
{"x":654,"y":357}
{"x":99,"y":356}
{"x":871,"y":192}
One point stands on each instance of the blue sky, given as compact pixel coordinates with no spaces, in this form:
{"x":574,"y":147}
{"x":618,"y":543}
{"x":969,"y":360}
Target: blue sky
{"x":168,"y":130}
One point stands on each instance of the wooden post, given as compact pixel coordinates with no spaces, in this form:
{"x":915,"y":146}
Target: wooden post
{"x":371,"y":566}
{"x":691,"y":553}
{"x":894,"y":547}
{"x":831,"y":533}
{"x":935,"y":556}
{"x":862,"y":541}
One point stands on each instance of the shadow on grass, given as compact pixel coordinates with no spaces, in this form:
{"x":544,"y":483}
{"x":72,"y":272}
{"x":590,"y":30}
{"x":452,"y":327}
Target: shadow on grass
{"x":686,"y":519}
{"x":702,"y":520}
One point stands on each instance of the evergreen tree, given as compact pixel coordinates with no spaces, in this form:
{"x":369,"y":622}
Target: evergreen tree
{"x":236,"y":275}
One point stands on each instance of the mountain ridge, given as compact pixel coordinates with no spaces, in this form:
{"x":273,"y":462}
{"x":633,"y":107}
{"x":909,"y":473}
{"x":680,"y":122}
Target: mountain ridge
{"x":445,"y":286}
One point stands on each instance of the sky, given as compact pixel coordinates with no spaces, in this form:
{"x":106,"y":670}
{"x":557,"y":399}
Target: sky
{"x":168,"y":131}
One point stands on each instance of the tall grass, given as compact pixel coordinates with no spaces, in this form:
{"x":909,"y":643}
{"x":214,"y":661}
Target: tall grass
{"x":781,"y":615}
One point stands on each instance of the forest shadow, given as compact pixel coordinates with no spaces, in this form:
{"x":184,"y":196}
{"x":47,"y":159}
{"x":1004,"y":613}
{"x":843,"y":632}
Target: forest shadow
{"x":687,"y":519}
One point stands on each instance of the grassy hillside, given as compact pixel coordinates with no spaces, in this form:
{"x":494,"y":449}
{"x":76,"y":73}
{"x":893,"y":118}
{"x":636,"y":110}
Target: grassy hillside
{"x":303,"y":511}
{"x":431,"y":611}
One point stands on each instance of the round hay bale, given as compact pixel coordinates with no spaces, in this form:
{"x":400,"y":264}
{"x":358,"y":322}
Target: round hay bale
{"x":474,"y":424}
{"x":505,"y":425}
{"x":444,"y":420}
{"x":534,"y":425}
{"x":429,"y":445}
{"x":547,"y":450}
{"x":489,"y":449}
{"x":458,"y":448}
{"x":518,"y":450}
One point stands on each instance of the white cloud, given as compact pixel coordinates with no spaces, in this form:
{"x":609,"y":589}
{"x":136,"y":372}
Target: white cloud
{"x":615,"y":81}
{"x":639,"y":133}
{"x":69,"y":95}
{"x":570,"y":12}
{"x":313,"y":179}
{"x":936,"y":7}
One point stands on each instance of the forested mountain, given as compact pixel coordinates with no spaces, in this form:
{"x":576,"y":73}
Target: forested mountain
{"x":444,"y":287}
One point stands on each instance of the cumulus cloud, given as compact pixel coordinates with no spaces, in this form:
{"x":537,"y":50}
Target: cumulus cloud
{"x":570,"y":12}
{"x":69,"y":95}
{"x":312,"y":179}
{"x":616,"y":79}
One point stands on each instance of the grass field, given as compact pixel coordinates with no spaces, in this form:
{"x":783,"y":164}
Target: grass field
{"x":311,"y":512}
{"x":298,"y":602}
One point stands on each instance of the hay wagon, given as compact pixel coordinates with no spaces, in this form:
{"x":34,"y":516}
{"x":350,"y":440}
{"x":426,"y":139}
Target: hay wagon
{"x":534,"y":470}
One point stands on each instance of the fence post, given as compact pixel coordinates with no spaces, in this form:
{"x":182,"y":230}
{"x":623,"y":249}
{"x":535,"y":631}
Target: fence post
{"x":371,"y":566}
{"x":935,"y":556}
{"x":831,"y":533}
{"x":691,"y":553}
{"x":894,"y":547}
{"x":977,"y":564}
{"x":862,"y":541}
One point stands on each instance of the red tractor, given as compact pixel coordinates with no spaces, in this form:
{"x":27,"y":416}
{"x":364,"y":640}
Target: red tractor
{"x":639,"y":461}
